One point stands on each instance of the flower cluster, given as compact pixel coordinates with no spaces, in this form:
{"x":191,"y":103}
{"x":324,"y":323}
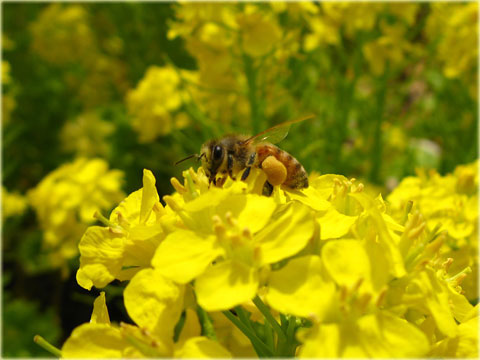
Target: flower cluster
{"x":457,"y":28}
{"x":448,"y":204}
{"x":240,"y":50}
{"x":152,"y":102}
{"x":13,"y":203}
{"x":62,"y":36}
{"x":86,"y":135}
{"x":66,"y":200}
{"x":8,"y":98}
{"x":328,"y":271}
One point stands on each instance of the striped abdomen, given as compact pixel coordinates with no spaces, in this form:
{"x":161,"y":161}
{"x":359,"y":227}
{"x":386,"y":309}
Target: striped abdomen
{"x":297,"y":177}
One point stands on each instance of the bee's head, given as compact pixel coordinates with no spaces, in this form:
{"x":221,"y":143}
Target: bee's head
{"x":213,"y":158}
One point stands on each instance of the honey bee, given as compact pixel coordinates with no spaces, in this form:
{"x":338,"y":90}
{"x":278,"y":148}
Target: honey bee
{"x":235,"y":154}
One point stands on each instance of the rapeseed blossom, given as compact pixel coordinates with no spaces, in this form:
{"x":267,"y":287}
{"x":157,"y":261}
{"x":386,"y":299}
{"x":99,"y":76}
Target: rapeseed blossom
{"x":61,"y":34}
{"x":13,"y":203}
{"x":66,"y":200}
{"x":152,"y":102}
{"x":449,"y":204}
{"x":326,"y":271}
{"x":134,"y":230}
{"x":86,"y":135}
{"x":8,"y":99}
{"x":457,"y":26}
{"x":240,"y":49}
{"x":155,"y":313}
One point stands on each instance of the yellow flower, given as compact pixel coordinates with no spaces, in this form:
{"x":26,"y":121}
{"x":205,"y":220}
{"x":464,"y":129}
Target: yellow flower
{"x":331,"y":256}
{"x":447,"y":203}
{"x":388,"y":49}
{"x":259,"y":34}
{"x":242,"y":232}
{"x":154,"y":304}
{"x":61,"y":34}
{"x":13,"y":203}
{"x":8,"y":99}
{"x":66,"y":200}
{"x":128,"y":243}
{"x":6,"y":72}
{"x":464,"y":345}
{"x":351,"y":16}
{"x":153,"y":101}
{"x":86,"y":135}
{"x":380,"y":335}
{"x":456,"y":26}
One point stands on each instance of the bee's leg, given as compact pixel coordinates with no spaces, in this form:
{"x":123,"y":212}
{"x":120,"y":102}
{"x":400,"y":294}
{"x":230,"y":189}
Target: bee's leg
{"x":230,"y":165}
{"x":267,"y":189}
{"x":250,"y":162}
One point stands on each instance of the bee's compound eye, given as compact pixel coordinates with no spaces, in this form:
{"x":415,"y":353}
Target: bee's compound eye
{"x":217,"y":152}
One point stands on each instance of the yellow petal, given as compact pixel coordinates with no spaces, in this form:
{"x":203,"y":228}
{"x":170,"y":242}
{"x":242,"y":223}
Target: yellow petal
{"x":201,"y":347}
{"x":321,"y":342}
{"x":94,"y":341}
{"x":100,"y":311}
{"x":183,"y":255}
{"x":256,"y":212}
{"x":347,"y":262}
{"x":385,"y":335}
{"x":101,"y":254}
{"x":334,"y":224}
{"x":464,"y":345}
{"x":437,"y":301}
{"x":286,"y":235}
{"x":225,"y":285}
{"x":311,"y":197}
{"x":149,"y":195}
{"x":128,"y":208}
{"x":299,"y":288}
{"x":391,"y":249}
{"x":154,"y":303}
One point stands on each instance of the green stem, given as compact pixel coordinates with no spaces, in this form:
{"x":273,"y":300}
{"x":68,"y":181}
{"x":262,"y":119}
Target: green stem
{"x":291,"y":336}
{"x":207,"y":325}
{"x":244,"y":318}
{"x":376,"y":154}
{"x":47,"y":346}
{"x":261,"y":349}
{"x":269,"y":317}
{"x":269,"y":336}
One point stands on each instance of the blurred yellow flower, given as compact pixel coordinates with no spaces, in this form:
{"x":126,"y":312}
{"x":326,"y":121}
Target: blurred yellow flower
{"x":61,"y":34}
{"x":13,"y":203}
{"x":8,"y":100}
{"x":6,"y":72}
{"x":86,"y":135}
{"x":152,"y":103}
{"x":66,"y":200}
{"x":259,"y":33}
{"x":388,"y":49}
{"x":456,"y":28}
{"x":334,"y":16}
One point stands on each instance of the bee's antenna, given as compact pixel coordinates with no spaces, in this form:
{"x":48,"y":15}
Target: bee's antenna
{"x":189,"y":157}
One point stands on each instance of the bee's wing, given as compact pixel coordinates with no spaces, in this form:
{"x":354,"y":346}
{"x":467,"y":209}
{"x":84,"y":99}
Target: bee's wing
{"x":276,"y":133}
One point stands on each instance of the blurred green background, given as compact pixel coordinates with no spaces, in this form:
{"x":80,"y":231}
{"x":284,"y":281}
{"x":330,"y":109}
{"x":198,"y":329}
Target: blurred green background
{"x":393,"y":87}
